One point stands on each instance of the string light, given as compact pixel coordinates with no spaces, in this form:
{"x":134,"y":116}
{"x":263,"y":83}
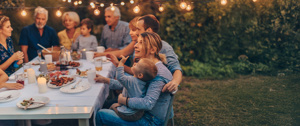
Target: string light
{"x":161,"y":8}
{"x":136,"y":9}
{"x":58,"y":13}
{"x":122,"y":3}
{"x":92,"y":5}
{"x":69,"y":1}
{"x":76,"y":3}
{"x":131,"y":1}
{"x":183,"y":5}
{"x":23,"y":13}
{"x":189,"y":7}
{"x":102,"y":5}
{"x":97,"y":12}
{"x":254,"y":0}
{"x":223,"y":2}
{"x":79,"y":2}
{"x":112,"y":7}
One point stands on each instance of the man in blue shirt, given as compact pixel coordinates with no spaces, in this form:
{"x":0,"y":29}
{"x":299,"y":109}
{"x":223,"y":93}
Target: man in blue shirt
{"x":37,"y":33}
{"x":115,"y":34}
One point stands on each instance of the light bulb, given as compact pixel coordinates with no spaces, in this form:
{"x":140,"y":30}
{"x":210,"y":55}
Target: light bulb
{"x":76,"y":3}
{"x":92,"y":3}
{"x":23,"y":13}
{"x":112,"y":7}
{"x":182,"y":5}
{"x":79,"y":2}
{"x":131,"y":1}
{"x":58,"y":13}
{"x":96,"y":12}
{"x":254,"y":0}
{"x":223,"y":2}
{"x":102,"y":5}
{"x":122,"y":3}
{"x":188,"y":8}
{"x":136,"y":9}
{"x":63,"y":0}
{"x":93,"y":6}
{"x":69,"y":1}
{"x":161,"y":9}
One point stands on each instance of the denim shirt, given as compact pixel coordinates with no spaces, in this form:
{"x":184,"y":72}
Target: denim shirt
{"x":6,"y":54}
{"x":119,"y":38}
{"x":155,"y":102}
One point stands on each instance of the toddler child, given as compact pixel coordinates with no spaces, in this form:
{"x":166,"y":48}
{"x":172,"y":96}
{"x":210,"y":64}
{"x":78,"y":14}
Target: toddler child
{"x":134,"y":86}
{"x":85,"y":40}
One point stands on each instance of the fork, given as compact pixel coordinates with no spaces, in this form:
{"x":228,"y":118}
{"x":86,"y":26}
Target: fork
{"x":76,"y":84}
{"x":4,"y":98}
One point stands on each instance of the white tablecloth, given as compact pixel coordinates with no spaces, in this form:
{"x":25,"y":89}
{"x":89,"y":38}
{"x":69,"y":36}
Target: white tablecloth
{"x":93,"y":97}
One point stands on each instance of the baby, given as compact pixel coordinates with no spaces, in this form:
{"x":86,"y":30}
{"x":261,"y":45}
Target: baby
{"x":134,"y":86}
{"x":85,"y":40}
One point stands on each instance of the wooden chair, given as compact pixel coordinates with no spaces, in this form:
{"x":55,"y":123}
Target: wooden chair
{"x":169,"y":112}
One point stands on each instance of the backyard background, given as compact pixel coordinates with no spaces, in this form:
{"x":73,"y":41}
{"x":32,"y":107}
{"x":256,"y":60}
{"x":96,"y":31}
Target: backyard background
{"x":241,"y":60}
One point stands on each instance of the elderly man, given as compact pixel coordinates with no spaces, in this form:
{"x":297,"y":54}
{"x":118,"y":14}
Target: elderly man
{"x":115,"y":34}
{"x":37,"y":33}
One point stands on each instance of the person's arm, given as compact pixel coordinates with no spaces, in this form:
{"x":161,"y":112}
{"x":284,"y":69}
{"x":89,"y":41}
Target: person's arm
{"x":112,"y":83}
{"x":54,"y":38}
{"x":94,"y":43}
{"x":24,"y":49}
{"x":172,"y":86}
{"x":12,"y":59}
{"x":128,"y":50}
{"x":11,"y":86}
{"x":3,"y":76}
{"x":146,"y":103}
{"x":75,"y":44}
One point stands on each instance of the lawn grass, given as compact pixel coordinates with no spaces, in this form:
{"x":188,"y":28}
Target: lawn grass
{"x":246,"y":100}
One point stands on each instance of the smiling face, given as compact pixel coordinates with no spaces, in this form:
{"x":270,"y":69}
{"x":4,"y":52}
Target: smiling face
{"x":40,"y":20}
{"x":69,"y":23}
{"x":139,"y":48}
{"x":110,"y":19}
{"x":6,"y":29}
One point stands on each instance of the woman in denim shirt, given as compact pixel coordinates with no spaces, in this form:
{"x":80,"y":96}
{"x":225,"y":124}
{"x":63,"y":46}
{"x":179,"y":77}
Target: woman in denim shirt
{"x":155,"y":102}
{"x":8,"y":57}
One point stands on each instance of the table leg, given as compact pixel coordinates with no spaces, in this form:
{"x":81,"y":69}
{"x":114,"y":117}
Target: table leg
{"x":83,"y":122}
{"x":27,"y":122}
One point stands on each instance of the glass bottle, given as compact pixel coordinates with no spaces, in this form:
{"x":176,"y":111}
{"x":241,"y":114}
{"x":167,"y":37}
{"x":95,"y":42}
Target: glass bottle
{"x":63,"y":58}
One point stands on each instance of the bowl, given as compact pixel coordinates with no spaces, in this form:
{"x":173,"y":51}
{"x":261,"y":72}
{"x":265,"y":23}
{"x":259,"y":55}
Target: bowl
{"x":55,"y":53}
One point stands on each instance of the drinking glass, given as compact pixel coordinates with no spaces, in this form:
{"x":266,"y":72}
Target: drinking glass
{"x":26,"y":66}
{"x":20,"y":78}
{"x":39,"y":52}
{"x":98,"y":63}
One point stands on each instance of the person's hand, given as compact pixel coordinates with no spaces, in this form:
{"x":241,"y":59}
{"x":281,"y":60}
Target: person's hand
{"x":97,"y":54}
{"x":122,"y":99}
{"x":13,"y":86}
{"x":101,"y":79}
{"x":112,"y":58}
{"x":18,"y":55}
{"x":111,"y":49}
{"x":20,"y":62}
{"x":123,"y":60}
{"x":171,"y":87}
{"x":115,"y":105}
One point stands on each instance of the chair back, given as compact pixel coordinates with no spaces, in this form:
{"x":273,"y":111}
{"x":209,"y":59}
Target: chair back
{"x":169,"y":110}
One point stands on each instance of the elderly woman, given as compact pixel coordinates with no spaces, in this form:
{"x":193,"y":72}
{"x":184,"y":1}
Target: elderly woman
{"x":68,"y":36}
{"x":8,"y":56}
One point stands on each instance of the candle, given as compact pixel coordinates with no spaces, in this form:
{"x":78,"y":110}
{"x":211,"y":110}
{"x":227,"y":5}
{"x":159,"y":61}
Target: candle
{"x":43,"y":67}
{"x":42,"y":84}
{"x":48,"y":58}
{"x":31,"y":76}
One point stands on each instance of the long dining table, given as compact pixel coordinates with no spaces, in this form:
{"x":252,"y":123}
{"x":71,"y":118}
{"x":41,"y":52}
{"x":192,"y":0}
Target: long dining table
{"x":79,"y":106}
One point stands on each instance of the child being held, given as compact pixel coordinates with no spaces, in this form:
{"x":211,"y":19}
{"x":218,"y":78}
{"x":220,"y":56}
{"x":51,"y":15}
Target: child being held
{"x":134,"y":86}
{"x":85,"y":40}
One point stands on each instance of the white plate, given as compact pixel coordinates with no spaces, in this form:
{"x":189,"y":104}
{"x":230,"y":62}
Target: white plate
{"x":80,"y":64}
{"x":54,"y":86}
{"x":14,"y":95}
{"x":40,"y":99}
{"x":82,"y":86}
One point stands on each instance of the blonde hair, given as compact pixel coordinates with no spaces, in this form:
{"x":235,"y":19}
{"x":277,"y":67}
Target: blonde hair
{"x":73,"y":15}
{"x":152,"y":40}
{"x":132,"y":23}
{"x":3,"y":19}
{"x":40,"y":10}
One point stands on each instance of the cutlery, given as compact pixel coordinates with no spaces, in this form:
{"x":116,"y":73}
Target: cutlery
{"x":44,"y":48}
{"x":4,"y":98}
{"x":76,"y":84}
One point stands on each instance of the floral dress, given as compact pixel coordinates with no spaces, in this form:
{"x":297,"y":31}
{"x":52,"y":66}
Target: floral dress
{"x":6,"y":54}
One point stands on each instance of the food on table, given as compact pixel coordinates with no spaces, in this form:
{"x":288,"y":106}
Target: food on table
{"x":71,"y":63}
{"x":58,"y":73}
{"x":27,"y":102}
{"x":81,"y":73}
{"x":59,"y":81}
{"x":75,"y":55}
{"x":51,"y":66}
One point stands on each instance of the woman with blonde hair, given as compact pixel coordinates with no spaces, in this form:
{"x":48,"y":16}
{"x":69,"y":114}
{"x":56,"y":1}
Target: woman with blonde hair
{"x":8,"y":56}
{"x":155,"y":103}
{"x":68,"y":36}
